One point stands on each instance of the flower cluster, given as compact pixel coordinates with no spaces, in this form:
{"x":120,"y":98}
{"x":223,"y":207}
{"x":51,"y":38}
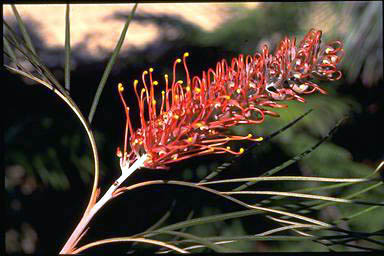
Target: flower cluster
{"x":194,"y":114}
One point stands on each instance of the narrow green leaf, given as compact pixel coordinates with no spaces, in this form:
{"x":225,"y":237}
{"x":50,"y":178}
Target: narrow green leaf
{"x":67,"y":65}
{"x":290,"y":227}
{"x":195,"y":246}
{"x":35,"y":63}
{"x":25,"y":74}
{"x":127,"y":239}
{"x":261,"y":238}
{"x":33,"y":59}
{"x":11,"y":40}
{"x":351,"y":195}
{"x":324,"y":187}
{"x":12,"y":34}
{"x":288,"y":178}
{"x":309,"y":189}
{"x":110,"y":64}
{"x":356,"y":214}
{"x":202,"y":241}
{"x":205,"y":220}
{"x":322,"y":205}
{"x":234,"y":200}
{"x":289,"y":194}
{"x":263,"y":234}
{"x":9,"y":50}
{"x":300,"y":195}
{"x":23,"y":29}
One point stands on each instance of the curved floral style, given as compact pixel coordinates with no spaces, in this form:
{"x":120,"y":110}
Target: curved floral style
{"x":194,"y":114}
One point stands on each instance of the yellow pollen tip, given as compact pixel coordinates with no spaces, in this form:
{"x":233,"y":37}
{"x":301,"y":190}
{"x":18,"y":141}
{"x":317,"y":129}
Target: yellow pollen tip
{"x":145,"y":72}
{"x":260,"y":139}
{"x":120,"y":87}
{"x":188,"y":88}
{"x":166,"y":76}
{"x":176,"y":117}
{"x":180,"y":82}
{"x":198,"y":90}
{"x":238,"y":91}
{"x":151,"y":70}
{"x":250,"y":135}
{"x":186,"y":54}
{"x":178,"y":60}
{"x":228,"y":147}
{"x":140,"y":142}
{"x":190,"y":139}
{"x":227,"y":97}
{"x":142,"y":90}
{"x":155,"y":83}
{"x":162,"y":92}
{"x":154,"y":102}
{"x":241,"y":150}
{"x":135,"y":82}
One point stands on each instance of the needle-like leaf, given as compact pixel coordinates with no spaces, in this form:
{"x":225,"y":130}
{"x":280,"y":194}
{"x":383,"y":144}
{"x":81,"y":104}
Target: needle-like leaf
{"x":199,"y":240}
{"x":9,"y":50}
{"x":23,"y":30}
{"x":33,"y":58}
{"x":110,"y":64}
{"x":209,"y":219}
{"x":128,"y":239}
{"x":288,"y":178}
{"x":67,"y":65}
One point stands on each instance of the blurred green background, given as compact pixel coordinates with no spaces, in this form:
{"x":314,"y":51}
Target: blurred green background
{"x":48,"y":162}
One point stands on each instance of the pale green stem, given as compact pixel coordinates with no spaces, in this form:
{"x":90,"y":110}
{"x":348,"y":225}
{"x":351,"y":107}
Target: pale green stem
{"x":129,"y":239}
{"x":290,"y":178}
{"x":74,"y":238}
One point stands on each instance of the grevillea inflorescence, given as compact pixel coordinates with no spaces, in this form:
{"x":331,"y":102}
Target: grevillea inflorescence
{"x":194,"y":114}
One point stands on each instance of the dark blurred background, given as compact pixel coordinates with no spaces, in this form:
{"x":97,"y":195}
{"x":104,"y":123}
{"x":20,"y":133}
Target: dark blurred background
{"x":49,"y":165}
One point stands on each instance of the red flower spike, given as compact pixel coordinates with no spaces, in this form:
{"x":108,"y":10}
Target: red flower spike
{"x":195,"y":113}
